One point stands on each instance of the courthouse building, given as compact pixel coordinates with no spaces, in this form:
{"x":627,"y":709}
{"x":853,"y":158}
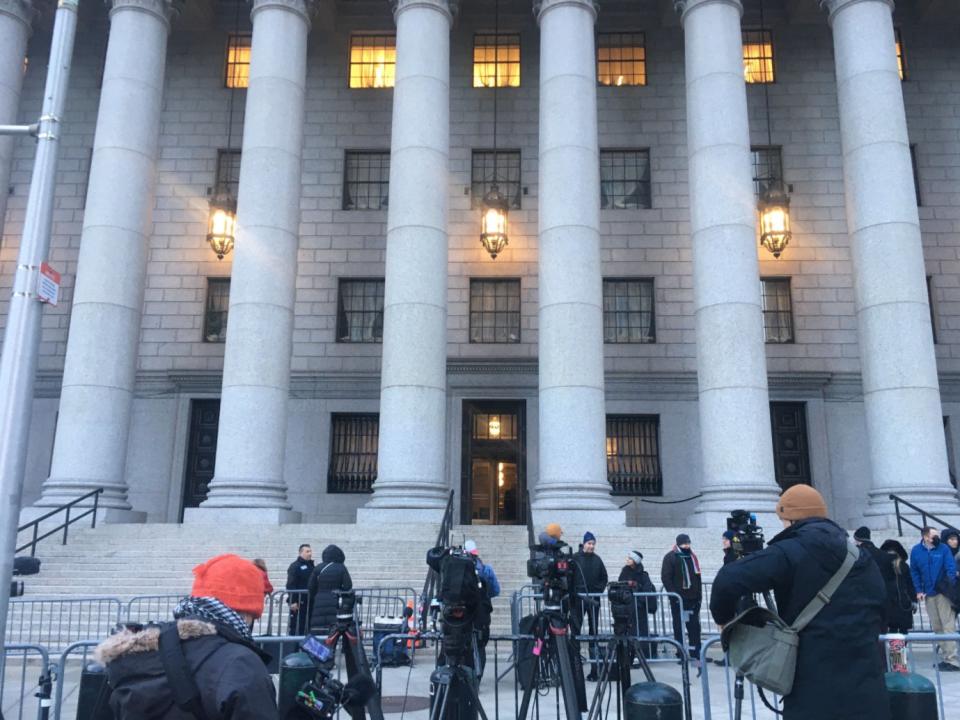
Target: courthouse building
{"x":358,"y":353}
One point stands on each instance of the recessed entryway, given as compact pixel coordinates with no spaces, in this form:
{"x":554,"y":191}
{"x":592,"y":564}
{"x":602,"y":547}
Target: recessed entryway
{"x":493,"y":478}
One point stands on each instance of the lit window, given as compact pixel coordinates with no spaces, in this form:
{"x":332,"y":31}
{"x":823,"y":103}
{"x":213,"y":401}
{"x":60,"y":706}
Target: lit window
{"x":621,"y":59}
{"x":496,"y":60}
{"x":360,"y":311}
{"x":237,"y":73}
{"x":901,"y":57}
{"x":507,"y":179}
{"x":625,"y":179}
{"x":354,"y":442}
{"x":633,"y":455}
{"x":777,"y":310}
{"x":767,"y":167}
{"x":215,"y":317}
{"x":758,"y":56}
{"x":366,"y":180}
{"x":628,"y":311}
{"x":373,"y":61}
{"x":495,"y":426}
{"x":495,"y":311}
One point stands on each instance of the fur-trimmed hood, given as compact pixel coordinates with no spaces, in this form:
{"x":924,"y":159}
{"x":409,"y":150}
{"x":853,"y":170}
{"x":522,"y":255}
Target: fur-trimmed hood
{"x":127,"y":642}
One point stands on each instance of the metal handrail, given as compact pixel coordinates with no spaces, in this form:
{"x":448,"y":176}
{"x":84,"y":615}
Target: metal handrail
{"x":66,"y":524}
{"x":897,"y":501}
{"x":446,"y":524}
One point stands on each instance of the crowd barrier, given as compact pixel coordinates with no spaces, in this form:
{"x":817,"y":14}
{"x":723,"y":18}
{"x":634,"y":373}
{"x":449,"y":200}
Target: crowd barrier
{"x":26,"y":682}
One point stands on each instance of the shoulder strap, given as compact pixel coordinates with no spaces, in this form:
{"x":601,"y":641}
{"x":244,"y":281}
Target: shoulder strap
{"x":186,"y":694}
{"x":826,"y":592}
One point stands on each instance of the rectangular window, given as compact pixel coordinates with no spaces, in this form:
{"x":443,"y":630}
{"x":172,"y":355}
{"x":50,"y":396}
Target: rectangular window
{"x":496,"y":60}
{"x":621,"y":59}
{"x":494,"y":311}
{"x":373,"y":61}
{"x":507,"y":176}
{"x":237,"y":73}
{"x":215,"y":317}
{"x":633,"y":455}
{"x":228,"y":173}
{"x":628,"y":315}
{"x":625,"y":179}
{"x":777,"y":310}
{"x":933,"y":312}
{"x":758,"y":56}
{"x":767,"y":167}
{"x":353,"y":453}
{"x":901,"y":56}
{"x":916,"y":173}
{"x":791,"y":456}
{"x":360,"y":311}
{"x":366,"y":180}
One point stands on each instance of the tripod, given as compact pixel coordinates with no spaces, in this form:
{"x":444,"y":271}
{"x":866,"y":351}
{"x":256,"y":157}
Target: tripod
{"x":347,"y":634}
{"x":618,"y":651}
{"x":552,"y":632}
{"x":454,"y":677}
{"x":738,"y":680}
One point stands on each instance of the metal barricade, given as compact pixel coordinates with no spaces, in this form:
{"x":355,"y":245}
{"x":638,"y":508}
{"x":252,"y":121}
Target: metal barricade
{"x":26,"y":682}
{"x":56,"y":622}
{"x":151,"y":608}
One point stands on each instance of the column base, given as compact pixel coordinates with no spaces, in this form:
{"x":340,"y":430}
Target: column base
{"x":944,"y":502}
{"x":716,"y":505}
{"x":374,"y":516}
{"x":240,"y":516}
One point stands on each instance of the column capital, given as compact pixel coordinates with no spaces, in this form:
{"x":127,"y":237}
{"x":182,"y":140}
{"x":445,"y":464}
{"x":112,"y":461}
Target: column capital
{"x":542,"y":6}
{"x":835,"y":6}
{"x":685,"y":6}
{"x":21,"y":10}
{"x":306,"y":9}
{"x":450,"y":8}
{"x":164,"y":10}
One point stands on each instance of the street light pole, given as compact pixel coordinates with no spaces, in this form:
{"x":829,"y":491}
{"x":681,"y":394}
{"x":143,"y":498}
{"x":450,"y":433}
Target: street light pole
{"x":21,"y":340}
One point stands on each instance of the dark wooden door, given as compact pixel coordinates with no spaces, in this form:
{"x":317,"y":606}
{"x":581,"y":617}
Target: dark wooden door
{"x":201,"y":451}
{"x":791,"y":457}
{"x":493,"y":482}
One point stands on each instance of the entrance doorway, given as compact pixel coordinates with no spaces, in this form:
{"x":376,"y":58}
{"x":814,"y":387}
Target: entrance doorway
{"x":493,"y":478}
{"x":201,"y":452}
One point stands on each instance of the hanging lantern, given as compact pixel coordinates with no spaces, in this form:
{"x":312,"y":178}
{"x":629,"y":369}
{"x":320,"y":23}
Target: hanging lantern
{"x":774,"y":209}
{"x":222,"y":225}
{"x":493,"y":224}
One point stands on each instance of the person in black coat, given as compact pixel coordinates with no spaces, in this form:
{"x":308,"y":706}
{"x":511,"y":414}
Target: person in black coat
{"x":901,"y":593}
{"x":639,"y":578}
{"x":590,"y":576}
{"x":680,"y":574}
{"x":884,"y":563}
{"x":331,"y":574}
{"x":298,"y":579}
{"x":838,"y":674}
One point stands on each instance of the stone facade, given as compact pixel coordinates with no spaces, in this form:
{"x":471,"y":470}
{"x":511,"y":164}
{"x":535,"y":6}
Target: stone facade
{"x":822,"y":368}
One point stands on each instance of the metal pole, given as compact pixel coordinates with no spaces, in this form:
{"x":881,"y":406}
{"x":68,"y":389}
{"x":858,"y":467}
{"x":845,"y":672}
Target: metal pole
{"x":21,"y":340}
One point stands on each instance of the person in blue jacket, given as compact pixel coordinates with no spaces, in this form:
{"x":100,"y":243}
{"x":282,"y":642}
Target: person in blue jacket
{"x":934,"y":573}
{"x":492,"y":587}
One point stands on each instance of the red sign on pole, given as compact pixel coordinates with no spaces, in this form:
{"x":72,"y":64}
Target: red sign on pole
{"x":48,"y":285}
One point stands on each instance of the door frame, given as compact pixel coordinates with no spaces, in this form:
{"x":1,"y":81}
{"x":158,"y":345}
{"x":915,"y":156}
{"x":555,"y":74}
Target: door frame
{"x":506,"y":406}
{"x":184,"y":484}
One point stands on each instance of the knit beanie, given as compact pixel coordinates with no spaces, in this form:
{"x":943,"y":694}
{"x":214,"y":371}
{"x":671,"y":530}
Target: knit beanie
{"x":554,"y":531}
{"x":683,"y":539}
{"x":800,"y":502}
{"x":862,"y":534}
{"x":471,"y":547}
{"x":729,"y":535}
{"x":235,"y":582}
{"x":635,"y":556}
{"x":589,"y":537}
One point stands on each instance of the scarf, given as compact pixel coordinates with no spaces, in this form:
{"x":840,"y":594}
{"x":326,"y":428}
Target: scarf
{"x":685,"y":567}
{"x":214,"y":611}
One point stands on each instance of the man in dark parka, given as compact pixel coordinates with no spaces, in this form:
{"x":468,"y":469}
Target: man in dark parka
{"x":839,"y":674}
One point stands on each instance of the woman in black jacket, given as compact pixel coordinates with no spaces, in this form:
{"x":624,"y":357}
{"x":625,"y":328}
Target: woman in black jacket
{"x":331,"y":574}
{"x":634,"y":573}
{"x":901,"y":595}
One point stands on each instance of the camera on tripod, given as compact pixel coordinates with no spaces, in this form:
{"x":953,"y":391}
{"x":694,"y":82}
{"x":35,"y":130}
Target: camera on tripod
{"x":748,"y":536}
{"x":622,"y":605}
{"x":323,"y":696}
{"x":553,"y":568}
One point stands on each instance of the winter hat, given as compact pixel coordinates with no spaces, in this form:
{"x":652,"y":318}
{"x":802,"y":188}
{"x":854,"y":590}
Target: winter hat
{"x":729,"y":535}
{"x":554,"y":531}
{"x":892,"y":546}
{"x":948,"y":533}
{"x":683,"y":539}
{"x":235,"y":582}
{"x":862,"y":534}
{"x":801,"y":502}
{"x":471,"y":547}
{"x":589,"y":537}
{"x":636,"y":556}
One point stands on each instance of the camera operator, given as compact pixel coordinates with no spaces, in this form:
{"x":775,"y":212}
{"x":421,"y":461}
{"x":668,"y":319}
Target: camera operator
{"x":680,"y":574}
{"x":640,"y":582}
{"x":729,"y":552}
{"x":838,"y":673}
{"x":590,"y":576}
{"x":330,"y":575}
{"x":491,"y":588}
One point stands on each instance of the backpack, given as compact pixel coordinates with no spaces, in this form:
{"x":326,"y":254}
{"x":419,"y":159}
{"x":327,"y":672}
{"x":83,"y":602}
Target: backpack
{"x":459,"y":584}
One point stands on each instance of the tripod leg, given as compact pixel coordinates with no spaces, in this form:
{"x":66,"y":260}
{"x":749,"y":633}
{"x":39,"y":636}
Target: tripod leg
{"x":357,"y":662}
{"x":603,"y":684}
{"x":439,"y":709}
{"x":474,"y":696}
{"x":570,"y":699}
{"x":528,"y":691}
{"x":644,"y":665}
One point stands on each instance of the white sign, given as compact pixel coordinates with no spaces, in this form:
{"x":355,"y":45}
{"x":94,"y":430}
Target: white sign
{"x":48,"y":285}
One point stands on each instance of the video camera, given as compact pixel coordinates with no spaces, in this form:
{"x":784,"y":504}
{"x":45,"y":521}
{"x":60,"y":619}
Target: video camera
{"x":347,"y":600}
{"x":553,"y":568}
{"x":748,"y":536}
{"x":323,"y":696}
{"x":622,"y":606}
{"x":460,"y":595}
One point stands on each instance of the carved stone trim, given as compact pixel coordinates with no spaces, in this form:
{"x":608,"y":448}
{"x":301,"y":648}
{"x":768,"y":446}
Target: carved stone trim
{"x":542,"y":6}
{"x":306,"y":9}
{"x":835,"y":6}
{"x":450,"y":8}
{"x":164,"y":10}
{"x":20,"y":10}
{"x":685,"y":6}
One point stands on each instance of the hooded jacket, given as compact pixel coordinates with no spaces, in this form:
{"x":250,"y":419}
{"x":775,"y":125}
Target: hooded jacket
{"x":331,"y":574}
{"x":230,"y":674}
{"x":838,"y":674}
{"x":929,"y":565}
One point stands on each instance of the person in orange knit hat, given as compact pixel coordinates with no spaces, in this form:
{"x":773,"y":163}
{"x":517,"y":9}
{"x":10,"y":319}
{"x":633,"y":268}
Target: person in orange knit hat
{"x":212,"y":631}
